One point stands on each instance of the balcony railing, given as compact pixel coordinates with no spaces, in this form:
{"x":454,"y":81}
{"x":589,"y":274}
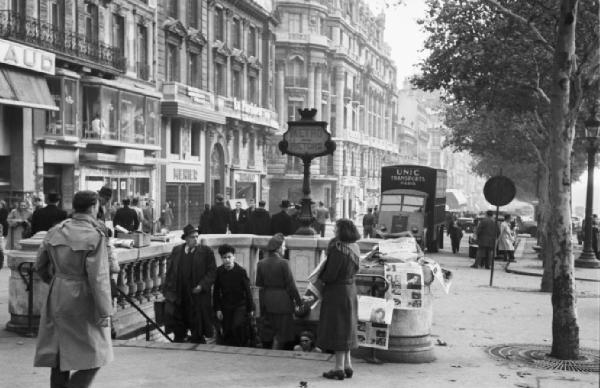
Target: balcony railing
{"x":143,"y":71}
{"x":300,"y":82}
{"x":31,"y":31}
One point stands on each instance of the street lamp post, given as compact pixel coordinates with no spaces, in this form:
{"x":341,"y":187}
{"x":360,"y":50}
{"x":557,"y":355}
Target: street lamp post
{"x":588,"y":259}
{"x":307,"y":139}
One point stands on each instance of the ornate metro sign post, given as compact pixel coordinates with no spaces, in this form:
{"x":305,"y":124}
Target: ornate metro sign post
{"x":307,"y":139}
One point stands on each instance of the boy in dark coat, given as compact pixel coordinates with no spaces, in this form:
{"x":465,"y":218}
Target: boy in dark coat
{"x":232,"y":298}
{"x":191,"y":271}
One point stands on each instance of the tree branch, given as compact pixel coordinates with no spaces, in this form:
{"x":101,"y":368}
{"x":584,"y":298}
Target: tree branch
{"x":547,"y":46}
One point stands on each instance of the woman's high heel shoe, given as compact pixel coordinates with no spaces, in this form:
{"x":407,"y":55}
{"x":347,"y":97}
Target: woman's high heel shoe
{"x":334,"y":374}
{"x":348,"y":372}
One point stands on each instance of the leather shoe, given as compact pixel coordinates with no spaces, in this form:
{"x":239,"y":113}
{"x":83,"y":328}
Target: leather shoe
{"x":348,"y":372}
{"x":334,"y":375}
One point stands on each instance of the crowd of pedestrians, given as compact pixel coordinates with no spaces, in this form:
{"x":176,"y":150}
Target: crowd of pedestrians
{"x":202,"y":300}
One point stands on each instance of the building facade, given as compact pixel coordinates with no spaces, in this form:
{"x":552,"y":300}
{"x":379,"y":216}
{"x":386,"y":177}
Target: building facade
{"x":331,"y":56}
{"x":79,"y":107}
{"x":215,"y":61}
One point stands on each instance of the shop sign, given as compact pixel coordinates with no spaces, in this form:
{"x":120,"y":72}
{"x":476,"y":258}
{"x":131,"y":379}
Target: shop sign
{"x":184,"y":173}
{"x":245,"y":177}
{"x":29,"y":58}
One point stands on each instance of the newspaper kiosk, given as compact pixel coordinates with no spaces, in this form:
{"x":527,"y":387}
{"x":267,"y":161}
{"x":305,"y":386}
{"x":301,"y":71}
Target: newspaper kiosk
{"x":396,"y":271}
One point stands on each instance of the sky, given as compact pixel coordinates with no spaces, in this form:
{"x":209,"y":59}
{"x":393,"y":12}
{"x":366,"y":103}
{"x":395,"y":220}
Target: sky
{"x":403,"y":34}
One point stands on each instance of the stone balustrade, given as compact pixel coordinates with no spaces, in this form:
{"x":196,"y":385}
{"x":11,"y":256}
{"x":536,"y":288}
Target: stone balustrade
{"x":143,"y":271}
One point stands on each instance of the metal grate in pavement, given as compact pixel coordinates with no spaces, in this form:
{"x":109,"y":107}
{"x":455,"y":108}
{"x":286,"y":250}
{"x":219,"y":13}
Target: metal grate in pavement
{"x":537,"y":356}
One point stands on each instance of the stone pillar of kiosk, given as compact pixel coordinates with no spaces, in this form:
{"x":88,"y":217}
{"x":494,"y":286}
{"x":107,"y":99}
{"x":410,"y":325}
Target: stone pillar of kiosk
{"x":18,"y":262}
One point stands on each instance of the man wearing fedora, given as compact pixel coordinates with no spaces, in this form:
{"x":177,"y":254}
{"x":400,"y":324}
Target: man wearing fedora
{"x":191,"y":271}
{"x":282,"y":221}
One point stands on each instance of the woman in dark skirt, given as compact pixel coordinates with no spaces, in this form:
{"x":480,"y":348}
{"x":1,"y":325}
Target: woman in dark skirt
{"x":278,"y":293}
{"x":337,"y":324}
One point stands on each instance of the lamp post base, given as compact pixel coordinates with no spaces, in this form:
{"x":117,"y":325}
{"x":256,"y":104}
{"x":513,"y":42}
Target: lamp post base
{"x":305,"y":231}
{"x":587,"y":259}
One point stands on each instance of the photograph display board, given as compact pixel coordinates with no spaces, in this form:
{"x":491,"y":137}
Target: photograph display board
{"x":374,"y":318}
{"x":406,"y":284}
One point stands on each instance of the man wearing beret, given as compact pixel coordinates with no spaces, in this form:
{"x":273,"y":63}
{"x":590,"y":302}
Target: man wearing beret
{"x":191,"y":271}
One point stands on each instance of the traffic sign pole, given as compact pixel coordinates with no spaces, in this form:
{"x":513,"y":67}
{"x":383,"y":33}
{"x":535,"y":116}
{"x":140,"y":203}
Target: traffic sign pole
{"x":495,"y":251}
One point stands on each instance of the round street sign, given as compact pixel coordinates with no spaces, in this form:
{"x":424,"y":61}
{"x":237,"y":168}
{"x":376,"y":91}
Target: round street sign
{"x":499,"y":190}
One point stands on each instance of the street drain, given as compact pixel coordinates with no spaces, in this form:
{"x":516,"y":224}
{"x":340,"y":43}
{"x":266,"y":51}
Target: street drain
{"x":537,"y":356}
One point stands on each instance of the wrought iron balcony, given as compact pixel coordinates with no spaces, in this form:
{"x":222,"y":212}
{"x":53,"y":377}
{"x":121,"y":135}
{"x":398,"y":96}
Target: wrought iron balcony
{"x":68,"y":44}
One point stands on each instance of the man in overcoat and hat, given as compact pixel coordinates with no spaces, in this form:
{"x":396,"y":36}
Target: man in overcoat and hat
{"x":282,"y":221}
{"x":219,"y":216}
{"x":74,"y":332}
{"x":191,"y":271}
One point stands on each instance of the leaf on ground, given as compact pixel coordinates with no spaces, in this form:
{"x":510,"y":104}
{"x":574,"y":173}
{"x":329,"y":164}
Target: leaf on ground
{"x":441,"y":343}
{"x":523,"y":374}
{"x":456,"y":366}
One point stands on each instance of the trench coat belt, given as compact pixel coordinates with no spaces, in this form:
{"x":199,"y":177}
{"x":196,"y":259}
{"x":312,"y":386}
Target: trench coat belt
{"x":69,"y":276}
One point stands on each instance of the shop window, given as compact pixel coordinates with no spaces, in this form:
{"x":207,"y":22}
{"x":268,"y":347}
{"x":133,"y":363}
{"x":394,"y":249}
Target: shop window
{"x":100,"y":114}
{"x":219,"y":25}
{"x":196,"y":130}
{"x":194,"y":69}
{"x":175,"y":137}
{"x":152,"y":120}
{"x":132,"y":118}
{"x":64,"y":121}
{"x":110,"y":112}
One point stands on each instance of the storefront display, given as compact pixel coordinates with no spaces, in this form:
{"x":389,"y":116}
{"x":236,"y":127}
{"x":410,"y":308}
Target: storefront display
{"x":113,"y":114}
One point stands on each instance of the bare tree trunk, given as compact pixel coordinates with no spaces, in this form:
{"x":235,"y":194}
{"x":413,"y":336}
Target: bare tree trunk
{"x":565,"y":330}
{"x":544,"y":230}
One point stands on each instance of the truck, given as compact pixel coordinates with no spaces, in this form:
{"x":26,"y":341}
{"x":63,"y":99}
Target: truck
{"x":413,"y":199}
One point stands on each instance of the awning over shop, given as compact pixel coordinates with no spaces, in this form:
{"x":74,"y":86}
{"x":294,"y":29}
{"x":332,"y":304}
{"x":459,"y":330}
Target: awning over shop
{"x":455,"y":198}
{"x":24,"y":89}
{"x":191,"y":111}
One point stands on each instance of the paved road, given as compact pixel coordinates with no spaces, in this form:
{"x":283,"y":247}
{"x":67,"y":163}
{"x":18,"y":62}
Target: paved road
{"x":470,"y":318}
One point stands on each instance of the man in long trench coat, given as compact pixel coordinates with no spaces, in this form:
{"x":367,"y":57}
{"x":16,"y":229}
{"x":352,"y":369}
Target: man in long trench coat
{"x":191,"y":272}
{"x":74,"y":332}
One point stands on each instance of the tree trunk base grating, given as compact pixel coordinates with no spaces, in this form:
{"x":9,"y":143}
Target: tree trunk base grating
{"x":538,"y":356}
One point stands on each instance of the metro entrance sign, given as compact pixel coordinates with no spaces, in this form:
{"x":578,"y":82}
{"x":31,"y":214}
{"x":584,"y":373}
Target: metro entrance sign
{"x":307,"y":139}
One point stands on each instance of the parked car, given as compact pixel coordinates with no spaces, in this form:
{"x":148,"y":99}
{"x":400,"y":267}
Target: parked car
{"x":467,"y":224}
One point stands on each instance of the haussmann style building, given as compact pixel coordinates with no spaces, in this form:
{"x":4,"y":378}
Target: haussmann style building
{"x":330,"y":55}
{"x":216,"y":65}
{"x":78,"y":101}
